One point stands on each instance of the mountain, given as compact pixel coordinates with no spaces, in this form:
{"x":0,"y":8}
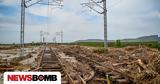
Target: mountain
{"x":152,"y":38}
{"x":143,"y":38}
{"x":139,"y":39}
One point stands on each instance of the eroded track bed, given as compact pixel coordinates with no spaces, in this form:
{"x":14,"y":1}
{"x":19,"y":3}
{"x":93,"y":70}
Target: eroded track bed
{"x":49,"y":61}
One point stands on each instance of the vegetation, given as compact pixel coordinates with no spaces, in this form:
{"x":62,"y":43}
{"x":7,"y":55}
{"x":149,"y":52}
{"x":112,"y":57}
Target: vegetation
{"x":16,"y":46}
{"x":94,"y":44}
{"x":101,"y":50}
{"x":118,"y":43}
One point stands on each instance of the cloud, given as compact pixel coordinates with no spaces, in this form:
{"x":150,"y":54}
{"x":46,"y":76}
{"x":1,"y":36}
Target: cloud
{"x":131,"y":18}
{"x":156,"y":13}
{"x":73,"y":25}
{"x":69,"y":19}
{"x":10,"y":2}
{"x":38,"y":10}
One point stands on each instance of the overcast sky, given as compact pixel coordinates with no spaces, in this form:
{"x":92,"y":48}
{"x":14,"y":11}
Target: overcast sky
{"x":126,"y":19}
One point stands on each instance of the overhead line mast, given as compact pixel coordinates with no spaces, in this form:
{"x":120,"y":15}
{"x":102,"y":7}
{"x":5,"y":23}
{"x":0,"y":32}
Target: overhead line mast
{"x":22,"y":27}
{"x":104,"y":8}
{"x":24,"y":5}
{"x":105,"y":24}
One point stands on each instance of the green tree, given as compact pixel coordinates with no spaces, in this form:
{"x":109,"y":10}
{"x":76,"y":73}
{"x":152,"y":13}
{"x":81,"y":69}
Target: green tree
{"x":118,"y":43}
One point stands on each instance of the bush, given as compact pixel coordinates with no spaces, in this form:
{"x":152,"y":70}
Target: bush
{"x":100,"y":50}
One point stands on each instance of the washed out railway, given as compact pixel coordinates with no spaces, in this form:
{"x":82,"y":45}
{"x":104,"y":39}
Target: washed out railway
{"x":50,"y":62}
{"x":87,"y":65}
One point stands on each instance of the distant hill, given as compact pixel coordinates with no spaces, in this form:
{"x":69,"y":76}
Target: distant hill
{"x":143,"y":39}
{"x":93,"y":40}
{"x":139,"y":39}
{"x":90,"y":40}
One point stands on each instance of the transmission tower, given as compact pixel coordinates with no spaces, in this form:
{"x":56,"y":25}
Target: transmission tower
{"x":26,"y":4}
{"x":91,"y":5}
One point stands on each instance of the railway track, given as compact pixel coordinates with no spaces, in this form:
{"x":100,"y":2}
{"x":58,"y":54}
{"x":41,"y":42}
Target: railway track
{"x":50,"y":62}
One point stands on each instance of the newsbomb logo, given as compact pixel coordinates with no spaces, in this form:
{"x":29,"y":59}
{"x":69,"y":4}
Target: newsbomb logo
{"x":45,"y":77}
{"x":32,"y":78}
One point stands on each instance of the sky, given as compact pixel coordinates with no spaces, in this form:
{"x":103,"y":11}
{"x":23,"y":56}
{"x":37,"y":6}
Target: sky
{"x":126,"y":19}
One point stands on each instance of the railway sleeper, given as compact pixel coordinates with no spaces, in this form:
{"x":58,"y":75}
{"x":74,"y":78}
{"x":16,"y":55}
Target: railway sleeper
{"x":117,"y":79}
{"x":49,"y":62}
{"x":56,"y":69}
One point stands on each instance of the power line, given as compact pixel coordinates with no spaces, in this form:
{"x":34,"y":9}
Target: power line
{"x":116,"y":3}
{"x":48,"y":14}
{"x":92,"y":3}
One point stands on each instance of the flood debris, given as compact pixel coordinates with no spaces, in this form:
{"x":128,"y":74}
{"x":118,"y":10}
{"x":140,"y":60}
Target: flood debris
{"x":128,"y":65}
{"x":74,"y":67}
{"x":10,"y":59}
{"x":16,"y":61}
{"x":139,"y":62}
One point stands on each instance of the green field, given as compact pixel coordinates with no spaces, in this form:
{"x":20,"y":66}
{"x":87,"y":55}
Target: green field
{"x":116,"y":44}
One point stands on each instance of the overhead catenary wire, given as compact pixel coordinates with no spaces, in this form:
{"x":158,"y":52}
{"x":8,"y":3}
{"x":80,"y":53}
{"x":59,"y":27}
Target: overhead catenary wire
{"x":48,"y":16}
{"x":114,"y":4}
{"x":104,"y":8}
{"x":24,"y":5}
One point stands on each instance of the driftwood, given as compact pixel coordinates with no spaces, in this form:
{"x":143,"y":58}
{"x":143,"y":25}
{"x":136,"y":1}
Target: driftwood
{"x":141,"y":65}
